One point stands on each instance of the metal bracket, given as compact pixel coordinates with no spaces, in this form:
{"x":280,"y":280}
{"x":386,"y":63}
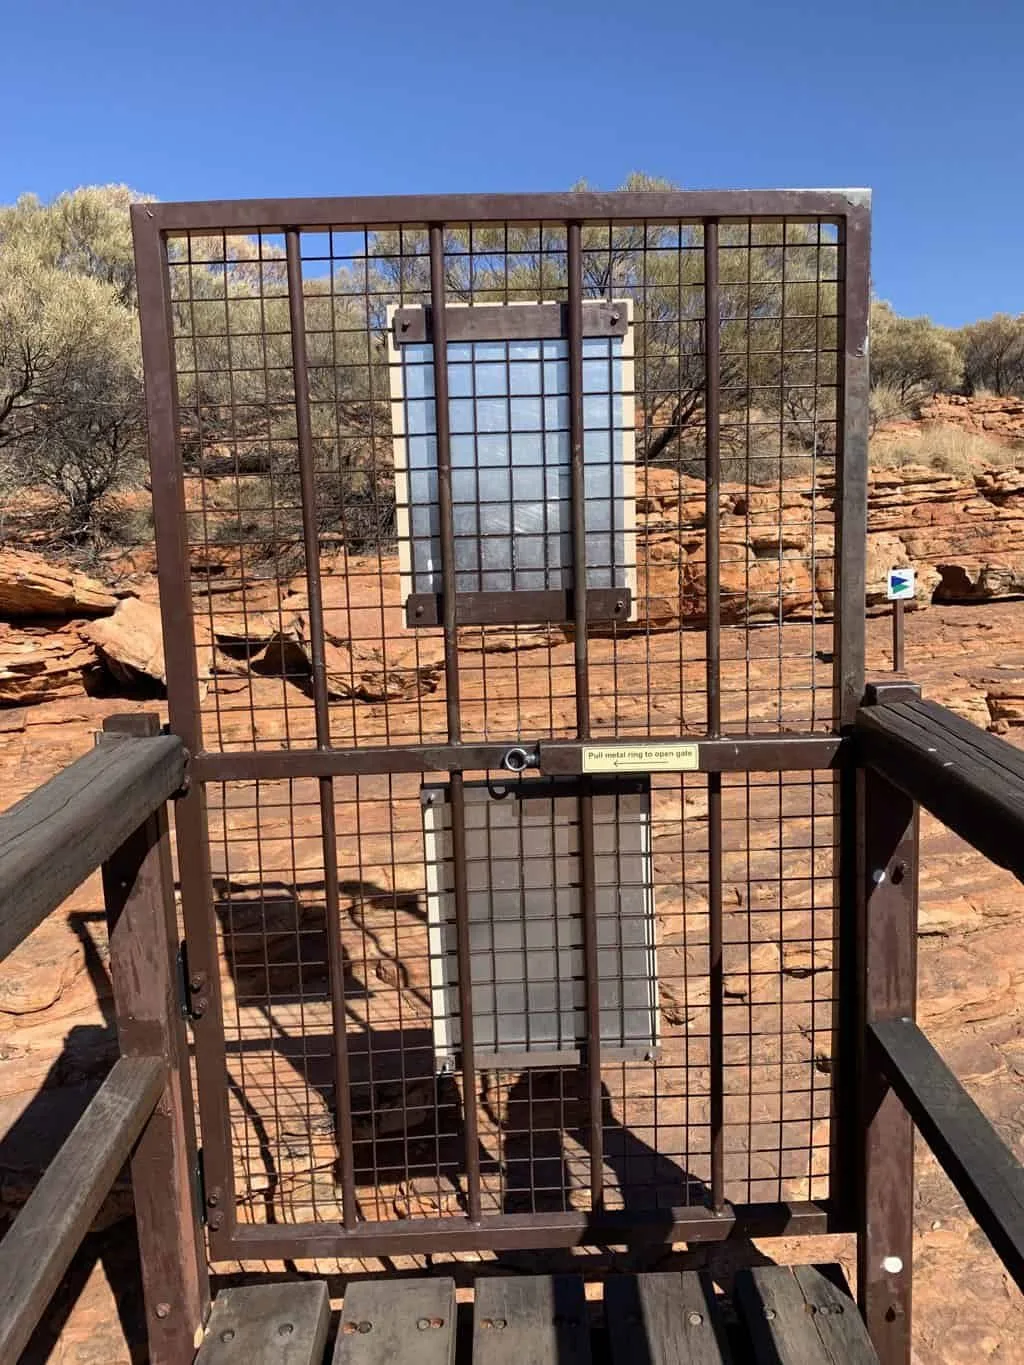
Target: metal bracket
{"x":510,"y":321}
{"x":522,"y":607}
{"x":191,"y":987}
{"x":200,"y":1187}
{"x":885,"y":693}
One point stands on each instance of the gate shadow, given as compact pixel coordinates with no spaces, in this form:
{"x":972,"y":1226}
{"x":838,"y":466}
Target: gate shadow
{"x":407,"y":1117}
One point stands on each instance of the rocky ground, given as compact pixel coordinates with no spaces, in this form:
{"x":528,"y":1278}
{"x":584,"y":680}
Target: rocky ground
{"x":73,"y":651}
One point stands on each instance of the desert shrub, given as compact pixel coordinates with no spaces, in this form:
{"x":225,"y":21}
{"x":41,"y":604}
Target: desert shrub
{"x":71,"y":416}
{"x":946,"y":449}
{"x":992,"y":352}
{"x":911,"y":356}
{"x":886,"y":404}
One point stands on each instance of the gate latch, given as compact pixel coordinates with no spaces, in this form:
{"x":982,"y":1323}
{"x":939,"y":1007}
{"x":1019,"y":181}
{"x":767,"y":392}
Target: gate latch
{"x":517,"y":760}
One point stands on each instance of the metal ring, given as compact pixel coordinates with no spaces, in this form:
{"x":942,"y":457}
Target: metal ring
{"x":516,"y":760}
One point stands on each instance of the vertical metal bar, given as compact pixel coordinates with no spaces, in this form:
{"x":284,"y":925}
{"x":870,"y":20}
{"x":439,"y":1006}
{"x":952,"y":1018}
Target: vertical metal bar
{"x":853,"y":295}
{"x":585,"y":802}
{"x":712,"y":476}
{"x":888,"y":927}
{"x":190,"y":824}
{"x":138,"y":892}
{"x":854,"y":246}
{"x":713,"y":613}
{"x":456,"y":790}
{"x":311,"y":546}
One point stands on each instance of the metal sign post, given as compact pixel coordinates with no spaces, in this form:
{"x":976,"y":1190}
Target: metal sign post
{"x":900,"y":587}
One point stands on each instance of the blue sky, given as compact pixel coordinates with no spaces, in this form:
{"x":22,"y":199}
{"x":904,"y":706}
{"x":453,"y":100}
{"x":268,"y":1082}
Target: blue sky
{"x":920,"y":99}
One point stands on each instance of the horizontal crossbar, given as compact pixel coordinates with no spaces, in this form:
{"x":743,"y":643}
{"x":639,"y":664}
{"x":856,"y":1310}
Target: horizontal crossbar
{"x":987,"y":1175}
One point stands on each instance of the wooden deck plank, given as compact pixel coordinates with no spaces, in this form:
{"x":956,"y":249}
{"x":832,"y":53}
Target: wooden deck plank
{"x":800,"y":1317}
{"x":268,"y":1324}
{"x":669,"y":1318}
{"x":397,"y":1322}
{"x":839,"y":1324}
{"x":774,"y":1313}
{"x":531,"y":1320}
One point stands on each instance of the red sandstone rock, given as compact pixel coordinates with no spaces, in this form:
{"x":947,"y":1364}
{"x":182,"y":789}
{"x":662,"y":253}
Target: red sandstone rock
{"x":33,"y":586}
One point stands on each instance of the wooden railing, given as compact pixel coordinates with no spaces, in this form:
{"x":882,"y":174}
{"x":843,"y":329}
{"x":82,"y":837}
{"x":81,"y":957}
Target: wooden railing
{"x":917,"y":753}
{"x":109,"y":809}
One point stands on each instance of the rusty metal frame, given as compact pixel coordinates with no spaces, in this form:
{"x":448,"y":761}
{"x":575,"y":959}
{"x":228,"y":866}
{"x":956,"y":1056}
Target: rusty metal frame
{"x":153,"y":226}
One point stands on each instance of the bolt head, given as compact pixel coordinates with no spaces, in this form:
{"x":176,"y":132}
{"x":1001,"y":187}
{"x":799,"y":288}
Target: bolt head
{"x":163,"y":1310}
{"x":227,"y":1335}
{"x":285,"y":1329}
{"x":695,"y":1319}
{"x":365,"y":1327}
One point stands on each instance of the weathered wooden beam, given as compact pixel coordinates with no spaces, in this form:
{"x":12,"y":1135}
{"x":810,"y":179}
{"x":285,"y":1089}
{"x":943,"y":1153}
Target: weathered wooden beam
{"x":988,"y":1176}
{"x":49,"y":1229}
{"x":887,"y":989}
{"x":53,"y":839}
{"x":970,"y":780}
{"x":142,"y":924}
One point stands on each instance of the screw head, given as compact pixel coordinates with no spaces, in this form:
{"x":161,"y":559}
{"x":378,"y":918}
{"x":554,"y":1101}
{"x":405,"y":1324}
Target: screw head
{"x":227,"y":1335}
{"x":770,"y":1314}
{"x":163,"y":1310}
{"x":365,"y":1327}
{"x":423,"y":1324}
{"x":216,"y":1220}
{"x":695,"y":1319}
{"x":285,"y":1329}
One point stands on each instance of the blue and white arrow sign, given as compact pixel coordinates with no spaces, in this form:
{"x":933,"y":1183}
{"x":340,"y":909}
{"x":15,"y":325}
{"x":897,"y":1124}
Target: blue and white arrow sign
{"x":900,"y":585}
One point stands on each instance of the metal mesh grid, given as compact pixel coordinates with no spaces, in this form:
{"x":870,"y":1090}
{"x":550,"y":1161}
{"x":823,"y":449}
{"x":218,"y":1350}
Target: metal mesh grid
{"x":293,"y":560}
{"x":779,"y":328}
{"x":407,"y":1133}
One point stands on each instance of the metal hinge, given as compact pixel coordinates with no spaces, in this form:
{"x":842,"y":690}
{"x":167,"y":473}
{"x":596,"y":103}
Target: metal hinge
{"x":192,"y":995}
{"x":201,"y":1187}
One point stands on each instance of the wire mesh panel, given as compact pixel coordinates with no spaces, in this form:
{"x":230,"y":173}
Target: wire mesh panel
{"x":388,"y":444}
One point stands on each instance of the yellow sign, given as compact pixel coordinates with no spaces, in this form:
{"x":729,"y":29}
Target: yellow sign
{"x":640,"y":758}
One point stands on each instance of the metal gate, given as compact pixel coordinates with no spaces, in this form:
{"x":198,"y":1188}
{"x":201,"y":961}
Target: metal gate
{"x":511,"y":556}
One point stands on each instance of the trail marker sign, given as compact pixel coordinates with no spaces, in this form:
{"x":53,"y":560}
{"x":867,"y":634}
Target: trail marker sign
{"x":901,"y":585}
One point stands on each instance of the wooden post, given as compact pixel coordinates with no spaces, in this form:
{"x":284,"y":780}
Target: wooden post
{"x":888,"y":878}
{"x":897,"y":636}
{"x":138,"y":888}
